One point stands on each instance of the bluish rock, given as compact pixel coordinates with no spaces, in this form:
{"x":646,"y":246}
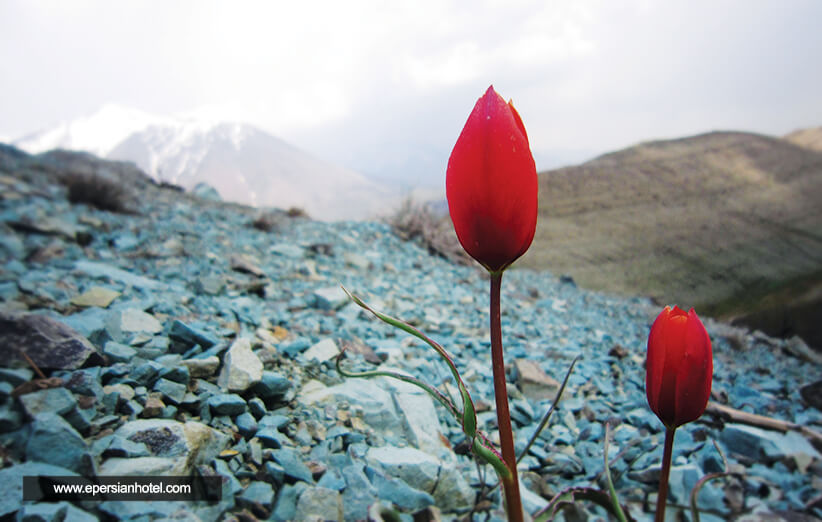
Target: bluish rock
{"x":286,"y":508}
{"x":118,"y":352}
{"x":400,"y":493}
{"x":292,"y":464}
{"x":52,"y":400}
{"x":90,"y":323}
{"x":257,"y":407}
{"x":11,"y":486}
{"x":332,"y":479}
{"x":227,"y":404}
{"x":55,"y":441}
{"x":272,"y":385}
{"x":257,"y":495}
{"x":10,"y":417}
{"x":316,"y":503}
{"x":190,"y":335}
{"x":147,"y":373}
{"x":359,"y":493}
{"x":101,"y":270}
{"x":246,"y":424}
{"x":173,"y":392}
{"x":270,"y":437}
{"x":329,"y":298}
{"x":15,"y":376}
{"x":122,"y":447}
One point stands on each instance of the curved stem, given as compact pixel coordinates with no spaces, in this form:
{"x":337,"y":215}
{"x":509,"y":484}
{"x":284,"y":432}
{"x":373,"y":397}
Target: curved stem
{"x":513,"y":503}
{"x":663,"y":475}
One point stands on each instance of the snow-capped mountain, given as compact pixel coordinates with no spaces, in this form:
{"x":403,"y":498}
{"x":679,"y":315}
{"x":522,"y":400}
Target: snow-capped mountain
{"x":243,"y":163}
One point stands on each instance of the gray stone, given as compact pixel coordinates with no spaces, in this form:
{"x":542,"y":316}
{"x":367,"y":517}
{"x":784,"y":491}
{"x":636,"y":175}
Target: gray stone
{"x":401,"y":494}
{"x":425,"y":473}
{"x":329,"y":298}
{"x":324,"y":350}
{"x":241,"y":367}
{"x":185,"y":444}
{"x":55,"y":441}
{"x":318,"y":503}
{"x":423,"y":428}
{"x":96,"y":296}
{"x":286,"y":508}
{"x":52,"y":400}
{"x":759,"y":444}
{"x":173,"y":392}
{"x":246,"y":424}
{"x":271,"y":385}
{"x":227,"y":404}
{"x":15,"y":376}
{"x":129,"y":324}
{"x":190,"y":335}
{"x":377,"y":404}
{"x":49,"y":343}
{"x":91,"y":324}
{"x":101,"y":270}
{"x":11,"y":486}
{"x":359,"y":493}
{"x":122,"y":447}
{"x":258,"y":497}
{"x":292,"y":463}
{"x":533,"y":382}
{"x":200,"y":368}
{"x":10,"y":418}
{"x":117,"y":352}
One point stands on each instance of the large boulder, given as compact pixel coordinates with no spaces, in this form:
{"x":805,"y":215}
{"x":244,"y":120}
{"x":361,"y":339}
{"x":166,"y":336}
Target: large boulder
{"x":49,"y":343}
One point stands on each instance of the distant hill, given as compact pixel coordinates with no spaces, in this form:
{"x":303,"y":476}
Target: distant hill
{"x":808,"y":138}
{"x":245,"y":164}
{"x":728,"y":222}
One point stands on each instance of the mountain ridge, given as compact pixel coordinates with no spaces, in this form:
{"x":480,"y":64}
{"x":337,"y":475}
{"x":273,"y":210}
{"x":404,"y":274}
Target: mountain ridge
{"x":719,"y":221}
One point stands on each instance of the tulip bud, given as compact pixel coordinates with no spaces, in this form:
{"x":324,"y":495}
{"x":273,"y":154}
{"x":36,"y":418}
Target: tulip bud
{"x":679,"y":367}
{"x":491,"y":184}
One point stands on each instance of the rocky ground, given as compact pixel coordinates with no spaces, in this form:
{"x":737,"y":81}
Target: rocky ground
{"x":194,"y":336}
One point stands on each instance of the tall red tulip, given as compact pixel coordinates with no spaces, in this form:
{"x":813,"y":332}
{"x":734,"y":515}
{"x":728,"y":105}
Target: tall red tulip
{"x":678,"y":373}
{"x":679,"y":367}
{"x":491,"y":184}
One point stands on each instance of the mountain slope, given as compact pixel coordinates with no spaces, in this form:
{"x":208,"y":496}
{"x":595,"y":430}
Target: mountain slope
{"x":719,"y":221}
{"x":249,"y":166}
{"x":244,"y":164}
{"x":808,"y":138}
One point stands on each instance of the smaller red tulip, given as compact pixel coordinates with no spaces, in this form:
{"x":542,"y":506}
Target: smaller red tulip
{"x":679,"y":367}
{"x":491,"y":184}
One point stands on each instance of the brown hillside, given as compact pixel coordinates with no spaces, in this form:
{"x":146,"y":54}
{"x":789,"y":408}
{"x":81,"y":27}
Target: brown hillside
{"x":718,"y":221}
{"x":808,"y":138}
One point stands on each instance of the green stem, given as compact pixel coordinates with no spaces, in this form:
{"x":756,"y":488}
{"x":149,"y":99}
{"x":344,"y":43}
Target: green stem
{"x":663,"y":476}
{"x":513,"y":504}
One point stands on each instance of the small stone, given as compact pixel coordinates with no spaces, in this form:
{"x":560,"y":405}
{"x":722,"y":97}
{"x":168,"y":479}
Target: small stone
{"x":117,"y":352}
{"x":246,"y":424}
{"x":330,"y":298}
{"x":324,"y":350}
{"x":241,"y":367}
{"x":247,"y":264}
{"x":55,"y":441}
{"x":227,"y":404}
{"x":812,"y":394}
{"x":293,"y":464}
{"x":202,"y":368}
{"x":258,"y":496}
{"x":130,"y":323}
{"x":356,"y":260}
{"x":53,"y":400}
{"x":152,"y":408}
{"x":96,"y":296}
{"x":121,"y":447}
{"x":533,"y":382}
{"x":272,"y":384}
{"x":190,"y":335}
{"x":173,"y":392}
{"x":318,"y":503}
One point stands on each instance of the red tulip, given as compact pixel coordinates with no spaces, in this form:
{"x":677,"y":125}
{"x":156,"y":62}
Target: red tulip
{"x":679,"y":367}
{"x":491,"y":184}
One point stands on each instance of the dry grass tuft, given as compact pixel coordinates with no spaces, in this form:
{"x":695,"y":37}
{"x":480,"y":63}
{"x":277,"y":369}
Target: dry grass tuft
{"x":99,"y":192}
{"x":415,"y":221}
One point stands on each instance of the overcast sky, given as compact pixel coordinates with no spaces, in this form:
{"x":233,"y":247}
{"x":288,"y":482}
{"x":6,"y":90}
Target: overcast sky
{"x":384,"y":87}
